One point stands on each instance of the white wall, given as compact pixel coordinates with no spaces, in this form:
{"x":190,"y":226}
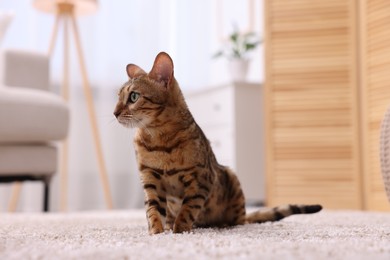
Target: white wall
{"x":124,"y":32}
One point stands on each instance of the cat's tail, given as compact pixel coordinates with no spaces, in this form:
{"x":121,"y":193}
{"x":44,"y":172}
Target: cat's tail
{"x":280,"y":212}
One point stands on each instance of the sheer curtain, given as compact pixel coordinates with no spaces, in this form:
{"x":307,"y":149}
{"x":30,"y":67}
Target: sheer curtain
{"x":121,"y":32}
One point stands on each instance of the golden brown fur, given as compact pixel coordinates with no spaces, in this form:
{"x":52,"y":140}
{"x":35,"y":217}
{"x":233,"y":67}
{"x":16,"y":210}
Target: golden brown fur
{"x":183,"y":182}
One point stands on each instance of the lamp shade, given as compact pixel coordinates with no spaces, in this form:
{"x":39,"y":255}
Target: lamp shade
{"x":80,"y":6}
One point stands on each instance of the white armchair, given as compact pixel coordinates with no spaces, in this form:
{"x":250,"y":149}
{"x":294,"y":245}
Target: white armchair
{"x":31,"y":119}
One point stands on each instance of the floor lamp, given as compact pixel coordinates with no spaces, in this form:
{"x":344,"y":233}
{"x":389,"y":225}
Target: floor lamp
{"x":66,"y":11}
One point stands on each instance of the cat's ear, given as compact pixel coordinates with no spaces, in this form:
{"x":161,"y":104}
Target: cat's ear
{"x":162,"y":70}
{"x":133,"y":71}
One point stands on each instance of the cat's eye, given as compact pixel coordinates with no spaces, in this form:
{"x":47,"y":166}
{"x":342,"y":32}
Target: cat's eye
{"x":134,"y":96}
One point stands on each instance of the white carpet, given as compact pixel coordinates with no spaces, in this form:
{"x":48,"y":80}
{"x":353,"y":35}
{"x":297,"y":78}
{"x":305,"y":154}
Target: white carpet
{"x":123,"y":235}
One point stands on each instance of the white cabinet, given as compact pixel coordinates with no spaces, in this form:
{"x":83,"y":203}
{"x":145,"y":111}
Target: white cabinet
{"x":232,"y":119}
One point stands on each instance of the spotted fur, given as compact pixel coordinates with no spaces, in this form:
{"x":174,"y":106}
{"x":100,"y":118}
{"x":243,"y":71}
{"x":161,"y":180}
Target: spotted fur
{"x":184,"y":185}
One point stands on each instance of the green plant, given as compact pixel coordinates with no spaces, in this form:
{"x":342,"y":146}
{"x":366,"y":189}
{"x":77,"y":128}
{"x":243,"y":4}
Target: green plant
{"x":238,"y":45}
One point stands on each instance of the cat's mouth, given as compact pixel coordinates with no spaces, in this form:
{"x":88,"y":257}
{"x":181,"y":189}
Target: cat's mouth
{"x":127,"y":121}
{"x":130,"y":121}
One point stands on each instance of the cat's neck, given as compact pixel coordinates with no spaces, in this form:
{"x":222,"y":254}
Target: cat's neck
{"x":172,"y":122}
{"x":175,"y":120}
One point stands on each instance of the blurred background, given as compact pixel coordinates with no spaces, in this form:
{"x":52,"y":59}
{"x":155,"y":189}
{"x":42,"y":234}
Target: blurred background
{"x":312,"y":130}
{"x":123,"y":32}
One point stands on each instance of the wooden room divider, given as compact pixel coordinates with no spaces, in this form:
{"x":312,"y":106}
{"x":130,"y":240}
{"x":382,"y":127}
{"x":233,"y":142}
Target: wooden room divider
{"x":327,"y":88}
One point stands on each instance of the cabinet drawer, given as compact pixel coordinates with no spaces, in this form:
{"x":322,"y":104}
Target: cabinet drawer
{"x":213,"y":107}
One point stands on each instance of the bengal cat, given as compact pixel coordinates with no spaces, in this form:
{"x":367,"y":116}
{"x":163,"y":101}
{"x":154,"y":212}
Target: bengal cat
{"x":184,"y":185}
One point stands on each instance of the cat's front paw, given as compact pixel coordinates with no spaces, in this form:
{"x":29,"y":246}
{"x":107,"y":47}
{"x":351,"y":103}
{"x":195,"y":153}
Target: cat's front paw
{"x":154,"y":231}
{"x":156,"y":228}
{"x":180,"y":228}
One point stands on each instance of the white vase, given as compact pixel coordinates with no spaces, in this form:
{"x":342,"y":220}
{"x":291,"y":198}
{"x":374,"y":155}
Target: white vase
{"x":238,"y":69}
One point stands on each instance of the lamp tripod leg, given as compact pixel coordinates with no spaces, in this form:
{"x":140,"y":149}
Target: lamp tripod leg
{"x":92,"y":116}
{"x":15,"y":194}
{"x":54,"y":34}
{"x":65,"y":95}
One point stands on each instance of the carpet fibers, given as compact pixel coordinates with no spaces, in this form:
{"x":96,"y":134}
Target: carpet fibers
{"x":123,"y":235}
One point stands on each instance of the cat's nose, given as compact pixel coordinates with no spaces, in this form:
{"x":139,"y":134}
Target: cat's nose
{"x":117,"y":113}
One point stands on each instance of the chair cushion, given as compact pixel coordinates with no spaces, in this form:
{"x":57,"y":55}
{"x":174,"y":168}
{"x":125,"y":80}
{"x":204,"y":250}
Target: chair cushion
{"x":38,"y":159}
{"x":29,"y":115}
{"x":24,"y":68}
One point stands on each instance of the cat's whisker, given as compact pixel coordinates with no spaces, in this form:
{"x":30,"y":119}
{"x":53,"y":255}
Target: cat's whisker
{"x":131,"y":124}
{"x":113,"y":120}
{"x":127,"y":117}
{"x":139,"y":123}
{"x":108,"y":115}
{"x":145,"y":127}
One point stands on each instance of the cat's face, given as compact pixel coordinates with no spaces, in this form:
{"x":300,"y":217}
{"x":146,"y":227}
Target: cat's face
{"x":144,"y":97}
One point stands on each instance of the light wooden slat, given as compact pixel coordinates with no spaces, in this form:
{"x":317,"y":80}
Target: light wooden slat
{"x":296,"y":5}
{"x":376,"y":5}
{"x":310,"y":119}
